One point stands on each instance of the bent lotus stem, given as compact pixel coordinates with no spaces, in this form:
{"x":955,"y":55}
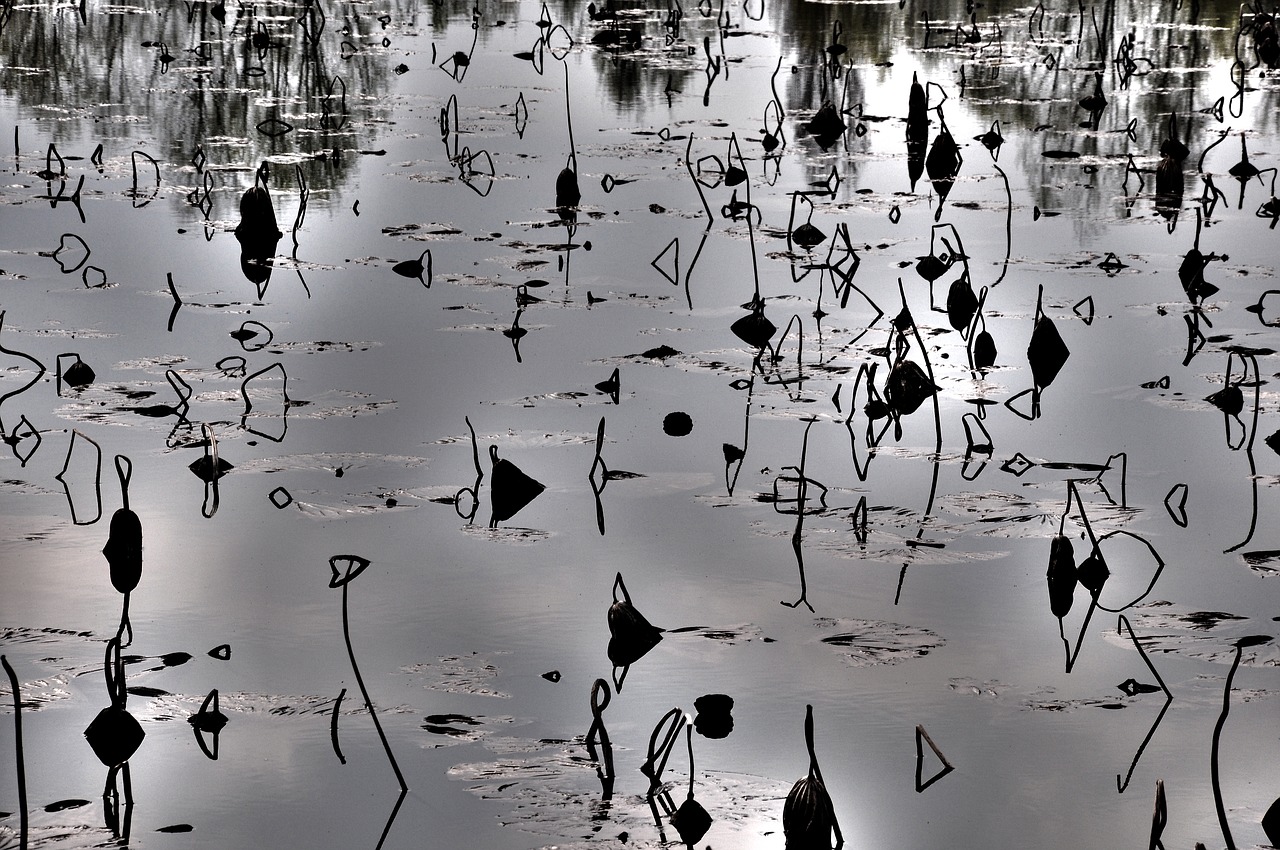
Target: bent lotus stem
{"x":658,"y":753}
{"x":359,"y":564}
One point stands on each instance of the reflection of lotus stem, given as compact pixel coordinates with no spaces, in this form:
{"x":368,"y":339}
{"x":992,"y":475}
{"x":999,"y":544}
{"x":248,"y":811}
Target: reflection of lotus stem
{"x":333,"y":726}
{"x":1213,"y":754}
{"x":346,"y":635}
{"x":21,"y":767}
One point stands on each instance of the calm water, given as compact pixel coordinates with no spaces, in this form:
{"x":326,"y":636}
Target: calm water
{"x":850,"y":447}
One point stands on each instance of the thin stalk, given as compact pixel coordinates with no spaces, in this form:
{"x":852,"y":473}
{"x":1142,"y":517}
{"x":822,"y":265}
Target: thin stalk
{"x":21,"y":765}
{"x":346,"y":635}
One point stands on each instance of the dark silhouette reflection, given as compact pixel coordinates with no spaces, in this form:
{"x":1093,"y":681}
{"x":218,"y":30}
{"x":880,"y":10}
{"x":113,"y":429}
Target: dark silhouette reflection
{"x":866,"y":402}
{"x":1092,"y":573}
{"x":714,"y":719}
{"x":515,"y":333}
{"x":1132,"y":687}
{"x":160,"y":411}
{"x":286,"y":402}
{"x":208,"y":721}
{"x":691,"y":820}
{"x":656,"y":761}
{"x":19,"y":760}
{"x":631,"y":636}
{"x":333,"y":726}
{"x":1169,"y":180}
{"x":808,"y":818}
{"x":177,"y":302}
{"x":734,"y":455}
{"x":943,"y":162}
{"x":1191,"y":271}
{"x":114,"y":736}
{"x":1046,"y":353}
{"x":1271,"y":823}
{"x":799,"y":505}
{"x":1094,"y":102}
{"x":416,"y":268}
{"x":981,"y":346}
{"x":1159,"y":817}
{"x":922,"y":738}
{"x":568,"y":195}
{"x":610,"y":386}
{"x":123,"y":550}
{"x":754,"y":329}
{"x":352,"y":566}
{"x":917,"y":130}
{"x":257,"y":231}
{"x":24,"y":429}
{"x":510,"y":489}
{"x":468,"y":509}
{"x":597,"y":734}
{"x":209,"y":468}
{"x":606,"y":475}
{"x":61,"y":478}
{"x":1240,"y":645}
{"x":76,"y":375}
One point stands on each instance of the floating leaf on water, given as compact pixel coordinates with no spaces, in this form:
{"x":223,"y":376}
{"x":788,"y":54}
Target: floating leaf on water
{"x":471,"y":674}
{"x":864,"y":643}
{"x":662,"y":352}
{"x":1133,"y":687}
{"x":64,"y":805}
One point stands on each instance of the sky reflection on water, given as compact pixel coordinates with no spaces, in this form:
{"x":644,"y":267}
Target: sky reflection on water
{"x":887,"y":375}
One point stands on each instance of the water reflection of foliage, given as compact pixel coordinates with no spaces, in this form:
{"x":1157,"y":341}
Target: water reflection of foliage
{"x":226,"y":78}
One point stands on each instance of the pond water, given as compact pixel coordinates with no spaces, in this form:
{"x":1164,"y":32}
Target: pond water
{"x":422,"y":345}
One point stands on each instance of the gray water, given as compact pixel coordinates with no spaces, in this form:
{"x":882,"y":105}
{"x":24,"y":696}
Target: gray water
{"x":908,"y":546}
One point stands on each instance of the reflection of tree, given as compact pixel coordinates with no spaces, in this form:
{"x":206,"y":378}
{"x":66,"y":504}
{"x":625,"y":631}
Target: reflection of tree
{"x":225,"y":79}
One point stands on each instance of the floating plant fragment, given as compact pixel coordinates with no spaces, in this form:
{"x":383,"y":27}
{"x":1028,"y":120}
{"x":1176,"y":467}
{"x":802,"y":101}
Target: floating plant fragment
{"x":923,"y":737}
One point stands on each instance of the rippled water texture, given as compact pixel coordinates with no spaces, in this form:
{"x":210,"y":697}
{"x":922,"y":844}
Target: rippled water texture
{"x":496,"y":426}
